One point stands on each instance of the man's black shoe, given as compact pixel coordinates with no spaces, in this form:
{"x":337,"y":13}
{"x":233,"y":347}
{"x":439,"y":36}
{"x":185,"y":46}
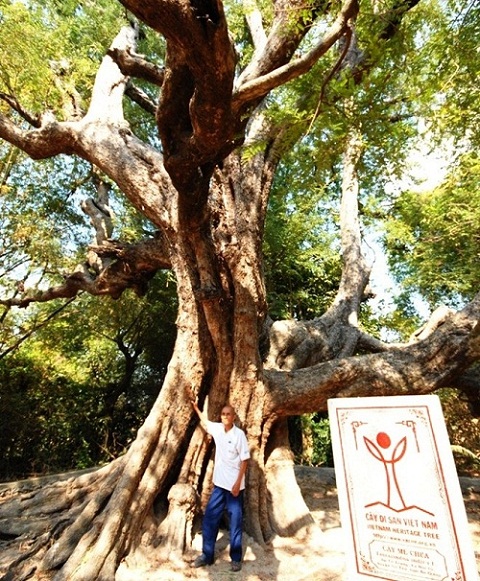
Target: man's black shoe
{"x":200,"y":561}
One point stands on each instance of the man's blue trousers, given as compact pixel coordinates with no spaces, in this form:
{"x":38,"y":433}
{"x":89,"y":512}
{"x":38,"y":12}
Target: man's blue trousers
{"x":220,"y":500}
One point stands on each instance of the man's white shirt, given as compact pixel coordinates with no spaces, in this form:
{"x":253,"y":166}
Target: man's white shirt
{"x":231,"y":448}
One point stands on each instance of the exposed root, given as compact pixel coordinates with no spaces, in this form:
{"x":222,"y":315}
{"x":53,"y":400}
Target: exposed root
{"x":176,"y":529}
{"x":42,"y":520}
{"x":289,"y":514}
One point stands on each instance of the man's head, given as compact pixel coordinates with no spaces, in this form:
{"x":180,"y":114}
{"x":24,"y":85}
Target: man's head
{"x":228,"y":416}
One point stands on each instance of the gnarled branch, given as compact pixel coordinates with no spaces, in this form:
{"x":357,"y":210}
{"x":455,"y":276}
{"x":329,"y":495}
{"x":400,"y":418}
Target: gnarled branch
{"x":130,"y":266}
{"x":412,"y":369}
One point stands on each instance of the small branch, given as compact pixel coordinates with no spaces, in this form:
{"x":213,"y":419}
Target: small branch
{"x":333,"y":71}
{"x":15,"y":105}
{"x":141,"y":98}
{"x":134,"y":65}
{"x":373,"y":345}
{"x":259,"y":87}
{"x":35,"y":328}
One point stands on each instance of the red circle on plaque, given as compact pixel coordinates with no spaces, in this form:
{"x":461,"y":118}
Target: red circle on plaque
{"x":383,"y":440}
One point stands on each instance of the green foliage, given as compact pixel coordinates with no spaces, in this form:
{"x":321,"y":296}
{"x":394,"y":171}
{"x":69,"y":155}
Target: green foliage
{"x":391,"y":324}
{"x":310,"y":440}
{"x":302,"y":268}
{"x":41,"y":229}
{"x":47,"y":418}
{"x":302,"y":264}
{"x":433,"y":237}
{"x":66,"y":41}
{"x":86,"y":380}
{"x":463,"y":431}
{"x":454,"y":70}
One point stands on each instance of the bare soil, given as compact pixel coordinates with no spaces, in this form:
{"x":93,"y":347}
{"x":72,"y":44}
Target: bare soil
{"x":316,"y":556}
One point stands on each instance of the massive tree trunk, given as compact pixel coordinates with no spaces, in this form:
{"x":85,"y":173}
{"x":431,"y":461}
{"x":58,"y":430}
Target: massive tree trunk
{"x":209,"y":205}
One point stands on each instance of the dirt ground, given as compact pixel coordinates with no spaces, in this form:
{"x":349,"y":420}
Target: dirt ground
{"x":320,"y":557}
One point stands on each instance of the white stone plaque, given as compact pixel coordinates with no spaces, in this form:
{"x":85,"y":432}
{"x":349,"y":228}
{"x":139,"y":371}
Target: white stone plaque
{"x":399,"y":495}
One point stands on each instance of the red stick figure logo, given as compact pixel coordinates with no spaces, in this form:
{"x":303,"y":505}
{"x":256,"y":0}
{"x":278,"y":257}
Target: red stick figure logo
{"x":379,"y":451}
{"x":383,"y":451}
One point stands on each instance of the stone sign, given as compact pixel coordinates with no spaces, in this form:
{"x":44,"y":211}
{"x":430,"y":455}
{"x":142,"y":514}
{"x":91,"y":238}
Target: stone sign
{"x":399,"y":495}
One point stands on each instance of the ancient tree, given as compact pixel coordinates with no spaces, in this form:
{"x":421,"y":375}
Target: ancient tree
{"x":208,"y":203}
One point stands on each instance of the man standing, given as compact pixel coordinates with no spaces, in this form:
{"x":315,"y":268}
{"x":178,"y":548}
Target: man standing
{"x":231,"y":459}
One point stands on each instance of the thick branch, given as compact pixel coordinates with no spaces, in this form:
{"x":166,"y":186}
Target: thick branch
{"x":194,"y":121}
{"x":420,"y":368}
{"x":296,"y":344}
{"x":438,"y":317}
{"x":110,"y":82}
{"x":253,"y":16}
{"x":50,"y":139}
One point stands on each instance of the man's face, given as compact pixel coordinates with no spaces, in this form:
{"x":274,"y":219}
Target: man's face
{"x":227,"y":416}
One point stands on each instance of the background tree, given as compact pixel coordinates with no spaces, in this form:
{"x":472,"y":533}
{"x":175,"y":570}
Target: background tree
{"x":204,"y":183}
{"x":85,"y":382}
